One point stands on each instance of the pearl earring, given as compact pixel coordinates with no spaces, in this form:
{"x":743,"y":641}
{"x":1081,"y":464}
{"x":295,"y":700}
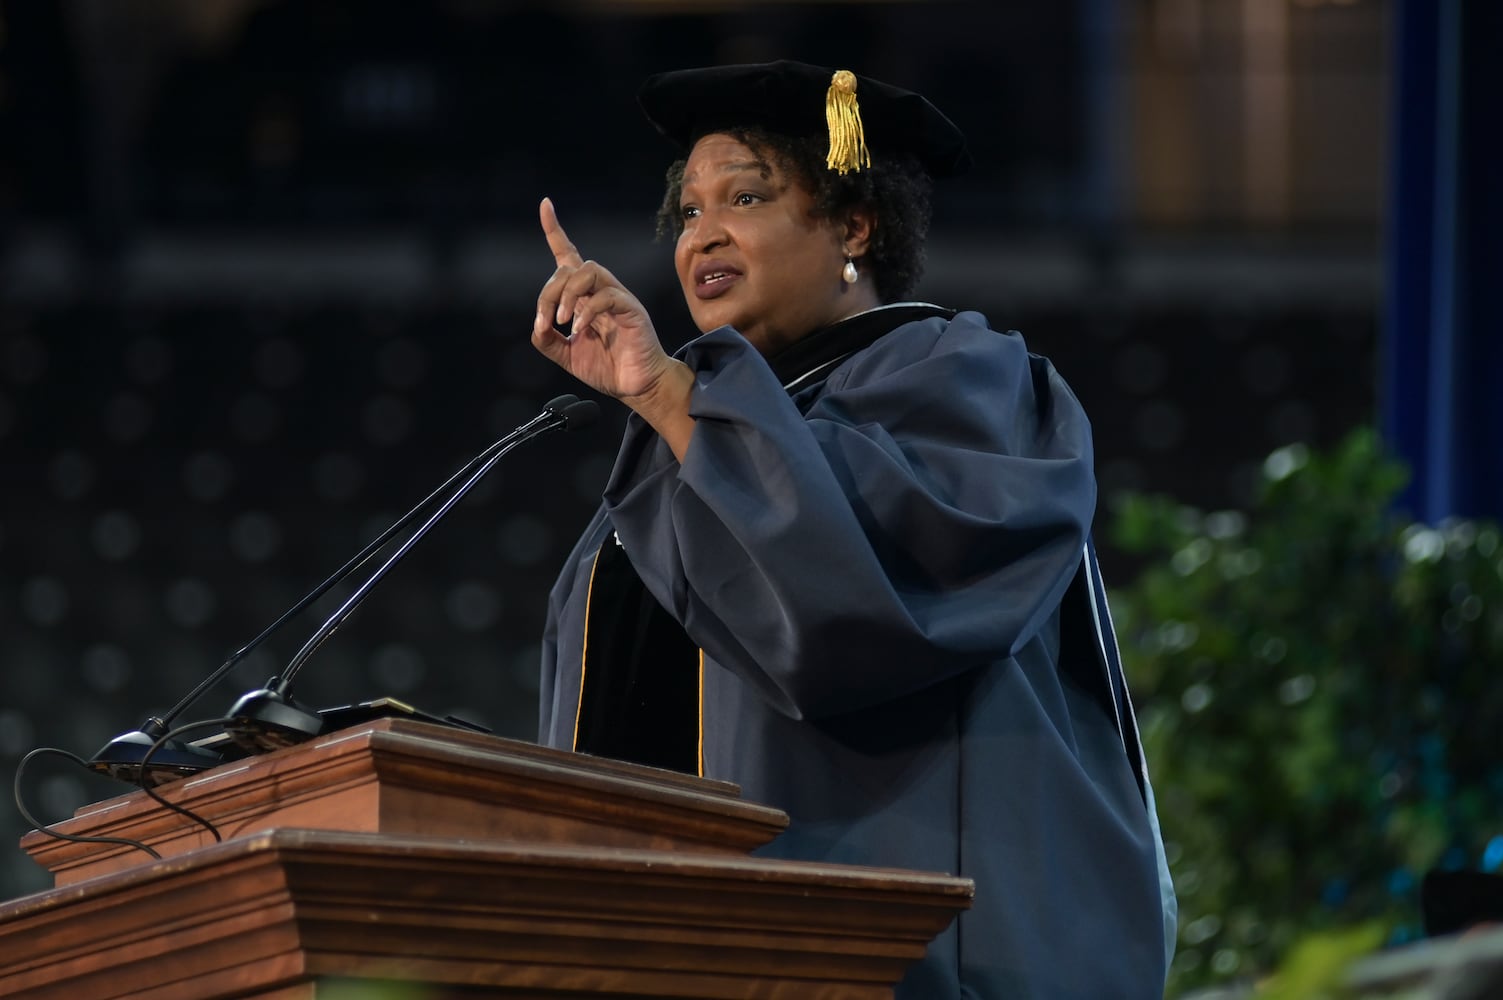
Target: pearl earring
{"x":848,"y":273}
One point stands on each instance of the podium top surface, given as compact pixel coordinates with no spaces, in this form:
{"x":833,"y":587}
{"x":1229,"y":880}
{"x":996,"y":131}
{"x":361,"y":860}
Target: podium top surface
{"x":401,"y":776}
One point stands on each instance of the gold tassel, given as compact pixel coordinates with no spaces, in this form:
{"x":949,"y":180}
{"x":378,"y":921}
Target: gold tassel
{"x":843,"y":114}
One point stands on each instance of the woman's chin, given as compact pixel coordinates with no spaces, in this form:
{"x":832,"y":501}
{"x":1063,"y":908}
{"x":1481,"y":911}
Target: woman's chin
{"x":713,"y":315}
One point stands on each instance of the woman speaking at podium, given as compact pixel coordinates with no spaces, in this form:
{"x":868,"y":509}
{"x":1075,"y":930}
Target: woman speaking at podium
{"x":843,"y":558}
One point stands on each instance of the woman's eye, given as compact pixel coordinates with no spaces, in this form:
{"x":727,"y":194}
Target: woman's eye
{"x":688,"y":212}
{"x":746,"y":198}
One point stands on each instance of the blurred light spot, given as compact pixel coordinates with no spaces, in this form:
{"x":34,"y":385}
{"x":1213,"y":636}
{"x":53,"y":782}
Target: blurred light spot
{"x":1121,"y":476}
{"x":1244,"y":483}
{"x":1460,"y":536}
{"x":257,"y":666}
{"x":72,"y":475}
{"x":207,"y":476}
{"x":255,"y":417}
{"x":524,"y":540}
{"x":509,"y":412}
{"x":148,"y":360}
{"x":189,"y":602}
{"x":1197,"y":698}
{"x":278,"y":363}
{"x":373,"y":525}
{"x":1201,"y":930}
{"x":1235,"y":565}
{"x":1285,"y":461}
{"x":1142,"y":369}
{"x":25,"y":359}
{"x":473,"y":606}
{"x":1225,"y":524}
{"x":1224,"y":962}
{"x":396,"y":668}
{"x":387,"y":96}
{"x":1492,"y":855}
{"x":1292,"y":420}
{"x":388,"y":420}
{"x":526,"y":666}
{"x":1273,"y":650}
{"x":1390,"y":784}
{"x":1190,"y":558}
{"x":402,"y":363}
{"x":255,"y":536}
{"x":59,"y":796}
{"x":337,"y":477}
{"x":1176,"y":636}
{"x":106,"y":668}
{"x":16,"y":734}
{"x":115,"y":534}
{"x":1297,"y":689}
{"x":1160,"y":425}
{"x":127,"y":417}
{"x":1265,"y":369}
{"x":1471,"y":608}
{"x":274,"y":137}
{"x":1422,"y":544}
{"x":44,"y":601}
{"x":1403,"y":934}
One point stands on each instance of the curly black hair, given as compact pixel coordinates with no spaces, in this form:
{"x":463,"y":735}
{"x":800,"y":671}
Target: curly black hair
{"x":896,"y":189}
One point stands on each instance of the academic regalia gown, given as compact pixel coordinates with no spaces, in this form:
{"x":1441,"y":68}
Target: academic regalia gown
{"x":870,"y":601}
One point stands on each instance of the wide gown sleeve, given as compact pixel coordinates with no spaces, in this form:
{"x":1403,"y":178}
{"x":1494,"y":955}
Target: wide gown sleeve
{"x":920,"y":515}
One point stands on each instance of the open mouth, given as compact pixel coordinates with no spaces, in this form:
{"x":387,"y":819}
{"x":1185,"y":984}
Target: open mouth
{"x":713,"y":278}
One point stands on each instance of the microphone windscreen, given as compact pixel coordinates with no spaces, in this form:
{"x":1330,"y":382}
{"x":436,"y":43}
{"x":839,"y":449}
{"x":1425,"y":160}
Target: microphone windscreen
{"x":558,"y":404}
{"x":580,"y":413}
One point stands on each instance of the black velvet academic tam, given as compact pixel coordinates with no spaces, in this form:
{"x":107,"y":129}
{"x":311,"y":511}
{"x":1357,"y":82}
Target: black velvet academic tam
{"x":789,"y":98}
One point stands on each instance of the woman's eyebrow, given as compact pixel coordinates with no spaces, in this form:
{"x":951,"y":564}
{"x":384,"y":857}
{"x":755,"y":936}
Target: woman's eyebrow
{"x":738,"y":166}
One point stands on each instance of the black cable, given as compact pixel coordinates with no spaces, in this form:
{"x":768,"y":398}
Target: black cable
{"x":156,"y":796}
{"x":48,"y":831}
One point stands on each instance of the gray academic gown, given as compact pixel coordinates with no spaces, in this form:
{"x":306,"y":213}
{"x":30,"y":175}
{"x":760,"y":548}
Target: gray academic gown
{"x":879,"y":557}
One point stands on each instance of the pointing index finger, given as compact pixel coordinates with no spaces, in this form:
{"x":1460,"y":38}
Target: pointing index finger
{"x":564,"y":252}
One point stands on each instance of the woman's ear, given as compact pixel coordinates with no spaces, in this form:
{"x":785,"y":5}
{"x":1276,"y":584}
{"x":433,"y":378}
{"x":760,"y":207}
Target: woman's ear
{"x":858,"y":230}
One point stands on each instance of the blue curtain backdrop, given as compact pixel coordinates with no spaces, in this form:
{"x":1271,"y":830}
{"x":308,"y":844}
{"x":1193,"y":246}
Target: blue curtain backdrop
{"x":1443,"y":329}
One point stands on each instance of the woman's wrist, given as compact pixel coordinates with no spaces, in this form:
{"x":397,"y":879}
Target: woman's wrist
{"x":665,"y":406}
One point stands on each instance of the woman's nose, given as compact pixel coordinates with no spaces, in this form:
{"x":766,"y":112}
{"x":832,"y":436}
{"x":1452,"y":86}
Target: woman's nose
{"x":709,"y":231}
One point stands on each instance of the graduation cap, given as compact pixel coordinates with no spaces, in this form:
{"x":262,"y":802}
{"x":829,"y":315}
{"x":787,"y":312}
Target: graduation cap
{"x":857,"y":114}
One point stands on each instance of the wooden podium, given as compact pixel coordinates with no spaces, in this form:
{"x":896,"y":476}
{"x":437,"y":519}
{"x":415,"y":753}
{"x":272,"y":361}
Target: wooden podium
{"x":399,"y":860}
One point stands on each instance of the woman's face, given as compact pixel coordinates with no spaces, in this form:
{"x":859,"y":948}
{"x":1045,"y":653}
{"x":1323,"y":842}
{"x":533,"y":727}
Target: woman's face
{"x":753,"y":255}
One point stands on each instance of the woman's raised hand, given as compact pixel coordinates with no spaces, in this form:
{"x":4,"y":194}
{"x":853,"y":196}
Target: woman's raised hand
{"x":613,"y":348}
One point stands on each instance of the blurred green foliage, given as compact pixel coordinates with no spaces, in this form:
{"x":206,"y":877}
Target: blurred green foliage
{"x":1318,"y":691}
{"x":1316,"y":967}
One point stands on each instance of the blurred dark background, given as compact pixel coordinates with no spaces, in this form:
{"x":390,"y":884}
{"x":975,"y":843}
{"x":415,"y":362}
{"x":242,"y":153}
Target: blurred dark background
{"x":267,"y":273}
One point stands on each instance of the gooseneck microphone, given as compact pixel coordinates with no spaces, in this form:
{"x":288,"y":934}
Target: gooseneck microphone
{"x":122,"y":758}
{"x":268,"y":719}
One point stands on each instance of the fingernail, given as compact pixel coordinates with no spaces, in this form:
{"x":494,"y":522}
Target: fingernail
{"x":559,"y":316}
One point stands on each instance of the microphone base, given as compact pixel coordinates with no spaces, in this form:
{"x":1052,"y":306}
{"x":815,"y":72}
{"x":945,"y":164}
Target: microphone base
{"x":264,"y":721}
{"x":174,"y":760}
